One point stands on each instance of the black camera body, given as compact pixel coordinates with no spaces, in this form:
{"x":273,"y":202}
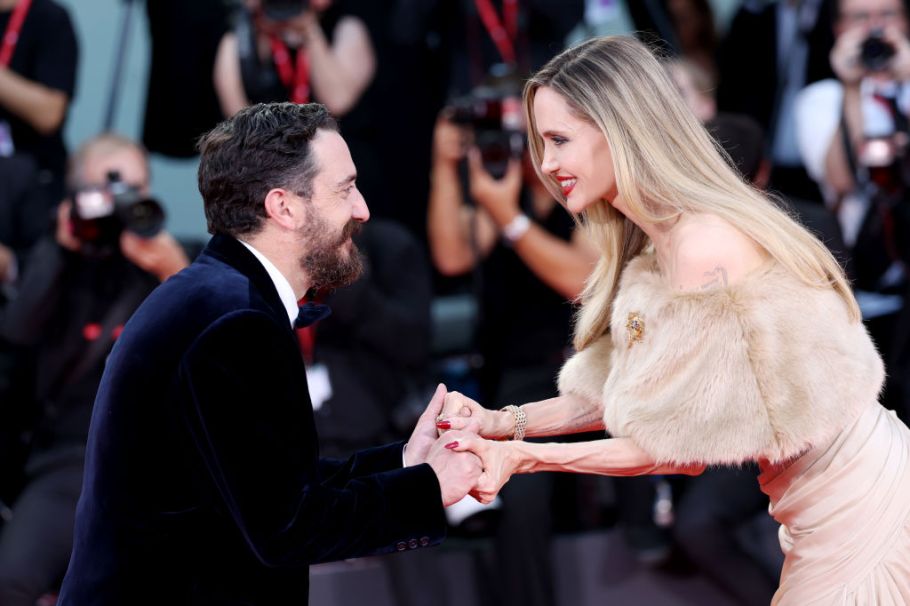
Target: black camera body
{"x":875,"y":52}
{"x":494,"y":113}
{"x":284,"y":10}
{"x":101,"y":214}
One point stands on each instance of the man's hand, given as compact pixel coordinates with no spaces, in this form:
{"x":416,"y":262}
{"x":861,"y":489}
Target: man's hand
{"x":425,"y":434}
{"x":499,"y":197}
{"x":457,"y":472}
{"x":161,"y":256}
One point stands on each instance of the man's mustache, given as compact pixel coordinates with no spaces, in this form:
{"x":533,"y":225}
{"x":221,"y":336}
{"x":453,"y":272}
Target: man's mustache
{"x":351,"y":229}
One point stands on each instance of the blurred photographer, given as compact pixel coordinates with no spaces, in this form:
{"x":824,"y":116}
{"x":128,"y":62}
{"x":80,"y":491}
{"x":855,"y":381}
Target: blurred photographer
{"x":853,"y":135}
{"x":505,"y":209}
{"x":869,"y":100}
{"x":323,"y":51}
{"x":39,"y":55}
{"x":488,"y":214}
{"x":80,"y":288}
{"x":294,"y":50}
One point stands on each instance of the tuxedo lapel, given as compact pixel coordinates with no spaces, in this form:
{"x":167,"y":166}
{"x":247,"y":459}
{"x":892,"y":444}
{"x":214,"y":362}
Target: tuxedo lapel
{"x":230,"y":251}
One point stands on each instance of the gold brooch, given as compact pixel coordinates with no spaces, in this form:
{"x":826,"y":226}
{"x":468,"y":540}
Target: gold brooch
{"x":635,"y":327}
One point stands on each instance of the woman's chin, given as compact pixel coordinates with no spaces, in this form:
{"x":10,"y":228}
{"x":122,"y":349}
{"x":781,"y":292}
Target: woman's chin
{"x":576,"y":204}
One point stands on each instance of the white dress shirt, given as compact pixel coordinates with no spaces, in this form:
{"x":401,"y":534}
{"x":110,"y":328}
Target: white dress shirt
{"x":285,"y":292}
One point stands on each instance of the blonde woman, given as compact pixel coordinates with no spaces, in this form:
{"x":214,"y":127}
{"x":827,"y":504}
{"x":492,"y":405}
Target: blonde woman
{"x":714,"y":330}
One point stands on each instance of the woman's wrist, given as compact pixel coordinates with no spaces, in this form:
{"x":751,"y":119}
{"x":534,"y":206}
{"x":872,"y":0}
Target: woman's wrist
{"x":521,"y":456}
{"x":503,"y":425}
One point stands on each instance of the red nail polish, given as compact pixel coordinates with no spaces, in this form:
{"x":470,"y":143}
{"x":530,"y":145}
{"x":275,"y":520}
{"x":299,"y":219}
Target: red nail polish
{"x":444,"y":425}
{"x":452,"y":445}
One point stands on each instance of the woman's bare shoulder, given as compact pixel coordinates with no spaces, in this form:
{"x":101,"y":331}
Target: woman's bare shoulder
{"x":711,"y":253}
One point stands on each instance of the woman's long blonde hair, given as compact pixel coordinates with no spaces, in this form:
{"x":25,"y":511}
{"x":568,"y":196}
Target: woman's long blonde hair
{"x":665,"y":164}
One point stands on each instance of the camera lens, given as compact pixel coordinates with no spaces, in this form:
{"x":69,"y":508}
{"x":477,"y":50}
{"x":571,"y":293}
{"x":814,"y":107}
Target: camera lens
{"x":875,"y":53}
{"x":141,"y":215}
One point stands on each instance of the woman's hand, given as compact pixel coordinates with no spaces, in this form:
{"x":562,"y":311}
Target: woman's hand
{"x":462,"y":413}
{"x":498,"y":460}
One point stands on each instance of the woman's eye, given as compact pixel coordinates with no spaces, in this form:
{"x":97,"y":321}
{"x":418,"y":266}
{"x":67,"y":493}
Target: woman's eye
{"x":557,"y":141}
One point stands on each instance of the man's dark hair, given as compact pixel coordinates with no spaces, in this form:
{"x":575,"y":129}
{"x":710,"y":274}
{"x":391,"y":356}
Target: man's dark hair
{"x":262,"y":147}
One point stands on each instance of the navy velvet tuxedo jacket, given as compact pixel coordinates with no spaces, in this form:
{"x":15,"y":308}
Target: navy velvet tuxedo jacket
{"x":203,"y":482}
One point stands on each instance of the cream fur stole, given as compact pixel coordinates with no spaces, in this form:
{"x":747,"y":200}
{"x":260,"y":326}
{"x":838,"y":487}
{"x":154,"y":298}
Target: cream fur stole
{"x":763,"y":369}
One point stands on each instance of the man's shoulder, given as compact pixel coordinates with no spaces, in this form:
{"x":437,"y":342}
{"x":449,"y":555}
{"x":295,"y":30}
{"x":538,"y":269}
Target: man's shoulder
{"x":207,"y":283}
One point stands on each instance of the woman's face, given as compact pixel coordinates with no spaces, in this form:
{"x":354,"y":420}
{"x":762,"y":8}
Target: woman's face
{"x":575,"y":153}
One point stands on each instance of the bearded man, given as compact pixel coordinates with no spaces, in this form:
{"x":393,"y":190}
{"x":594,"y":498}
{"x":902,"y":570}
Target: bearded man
{"x":203,"y":481}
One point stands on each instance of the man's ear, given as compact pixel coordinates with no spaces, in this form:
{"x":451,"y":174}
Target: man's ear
{"x":281,"y":206}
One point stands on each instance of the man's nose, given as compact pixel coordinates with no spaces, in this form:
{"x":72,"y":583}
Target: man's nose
{"x":360,"y":212}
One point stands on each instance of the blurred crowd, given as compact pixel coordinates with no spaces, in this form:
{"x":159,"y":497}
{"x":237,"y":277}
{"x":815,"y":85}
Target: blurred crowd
{"x":472,"y":267}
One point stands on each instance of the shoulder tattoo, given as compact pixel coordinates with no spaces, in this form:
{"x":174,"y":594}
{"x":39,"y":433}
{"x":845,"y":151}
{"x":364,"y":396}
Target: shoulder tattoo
{"x":715,"y":278}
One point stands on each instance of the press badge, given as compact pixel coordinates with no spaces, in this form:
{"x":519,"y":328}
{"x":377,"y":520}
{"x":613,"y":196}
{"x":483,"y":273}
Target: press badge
{"x":6,"y":140}
{"x":317,"y":377}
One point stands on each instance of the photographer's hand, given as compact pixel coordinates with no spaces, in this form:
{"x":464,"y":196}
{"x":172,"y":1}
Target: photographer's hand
{"x":64,"y":234}
{"x":7,"y":263}
{"x":899,"y":66}
{"x":499,"y":197}
{"x":161,"y":255}
{"x":449,"y":142}
{"x":458,"y":236}
{"x":845,"y":57}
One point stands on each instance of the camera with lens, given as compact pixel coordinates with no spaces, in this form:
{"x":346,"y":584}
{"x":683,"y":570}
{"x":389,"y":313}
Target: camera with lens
{"x":493,"y":111}
{"x":100,"y":214}
{"x":284,"y":10}
{"x":875,"y":52}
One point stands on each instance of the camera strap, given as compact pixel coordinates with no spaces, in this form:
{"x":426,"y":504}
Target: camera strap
{"x":901,"y":124}
{"x":11,"y":35}
{"x":859,"y":175}
{"x":865,"y":186}
{"x":96,"y":349}
{"x":503,"y":30}
{"x":296,"y":78}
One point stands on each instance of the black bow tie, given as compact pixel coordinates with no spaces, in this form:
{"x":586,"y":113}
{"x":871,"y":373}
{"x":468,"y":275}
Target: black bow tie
{"x":310,"y":313}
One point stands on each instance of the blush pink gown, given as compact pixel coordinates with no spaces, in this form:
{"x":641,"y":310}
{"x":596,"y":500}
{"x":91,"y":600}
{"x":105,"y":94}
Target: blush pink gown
{"x":845,"y":524}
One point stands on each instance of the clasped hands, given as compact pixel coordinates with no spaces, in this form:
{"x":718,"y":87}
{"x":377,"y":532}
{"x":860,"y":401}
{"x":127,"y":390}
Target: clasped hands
{"x":470,"y":427}
{"x":449,"y":436}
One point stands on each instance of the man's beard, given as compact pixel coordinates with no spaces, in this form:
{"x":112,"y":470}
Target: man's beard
{"x":326,"y":263}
